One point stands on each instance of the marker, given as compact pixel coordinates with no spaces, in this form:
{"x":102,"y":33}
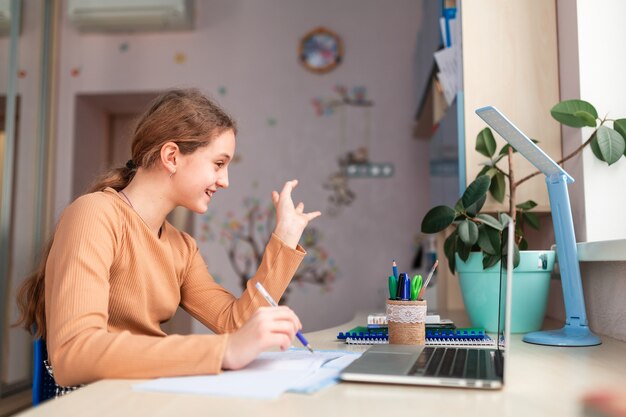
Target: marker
{"x":393,"y":287}
{"x":430,"y":275}
{"x":405,"y":283}
{"x":416,"y":286}
{"x":271,"y":301}
{"x":394,"y":268}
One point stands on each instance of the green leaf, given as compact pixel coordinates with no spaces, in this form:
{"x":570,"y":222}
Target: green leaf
{"x":463,"y":250}
{"x":565,"y":112}
{"x":437,"y":219}
{"x":486,"y":143}
{"x":586,"y":117}
{"x":516,"y":255}
{"x":505,"y":150}
{"x":458,"y":207}
{"x":498,"y":187}
{"x":595,"y":148}
{"x":620,"y":126}
{"x":475,"y":208}
{"x":468,"y":232}
{"x":611,"y":144}
{"x":484,"y":170}
{"x":449,"y":249}
{"x":476,"y":190}
{"x":489,"y":260}
{"x":490,"y":221}
{"x":504,"y":220}
{"x":527,"y":205}
{"x":532,"y":219}
{"x":488,"y":240}
{"x":523,"y":244}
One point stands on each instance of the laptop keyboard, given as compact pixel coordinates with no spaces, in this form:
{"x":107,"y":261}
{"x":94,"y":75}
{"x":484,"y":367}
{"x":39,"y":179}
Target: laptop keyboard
{"x":451,"y":363}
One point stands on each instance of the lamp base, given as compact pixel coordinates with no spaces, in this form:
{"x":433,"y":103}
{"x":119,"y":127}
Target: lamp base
{"x":567,"y":336}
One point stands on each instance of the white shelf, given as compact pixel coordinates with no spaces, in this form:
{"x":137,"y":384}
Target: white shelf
{"x":606,"y":250}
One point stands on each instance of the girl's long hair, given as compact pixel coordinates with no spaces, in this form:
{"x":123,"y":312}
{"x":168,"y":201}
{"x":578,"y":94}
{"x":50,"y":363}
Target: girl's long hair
{"x":185,"y":117}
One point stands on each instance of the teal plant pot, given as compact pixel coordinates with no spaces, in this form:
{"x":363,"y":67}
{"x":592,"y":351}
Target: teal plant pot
{"x":531,"y":283}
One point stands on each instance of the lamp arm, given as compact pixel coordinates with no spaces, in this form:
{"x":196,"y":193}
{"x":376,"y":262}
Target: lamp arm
{"x":567,"y":252}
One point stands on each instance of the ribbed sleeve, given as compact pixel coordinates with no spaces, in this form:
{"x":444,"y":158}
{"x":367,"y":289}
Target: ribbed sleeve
{"x":110,"y":282}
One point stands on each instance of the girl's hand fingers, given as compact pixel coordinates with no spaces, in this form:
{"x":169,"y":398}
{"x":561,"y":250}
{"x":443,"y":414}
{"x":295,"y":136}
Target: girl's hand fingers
{"x":312,"y":215}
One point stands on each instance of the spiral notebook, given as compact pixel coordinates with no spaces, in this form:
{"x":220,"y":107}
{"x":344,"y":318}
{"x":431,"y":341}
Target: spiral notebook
{"x":434,"y":337}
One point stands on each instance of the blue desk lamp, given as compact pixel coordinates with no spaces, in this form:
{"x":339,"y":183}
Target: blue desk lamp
{"x":576,"y":330}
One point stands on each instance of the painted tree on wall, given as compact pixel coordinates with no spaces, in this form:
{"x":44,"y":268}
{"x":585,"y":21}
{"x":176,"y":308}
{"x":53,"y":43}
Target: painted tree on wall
{"x":244,"y":240}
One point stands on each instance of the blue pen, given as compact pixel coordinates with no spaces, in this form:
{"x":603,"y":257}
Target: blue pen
{"x":270,"y":300}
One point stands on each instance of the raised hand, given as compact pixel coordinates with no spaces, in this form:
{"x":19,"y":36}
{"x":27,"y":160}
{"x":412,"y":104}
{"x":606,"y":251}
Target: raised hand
{"x":290,"y":220}
{"x":267,"y":328}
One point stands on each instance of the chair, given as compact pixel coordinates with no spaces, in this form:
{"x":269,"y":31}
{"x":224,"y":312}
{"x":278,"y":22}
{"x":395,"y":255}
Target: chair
{"x":44,"y":386}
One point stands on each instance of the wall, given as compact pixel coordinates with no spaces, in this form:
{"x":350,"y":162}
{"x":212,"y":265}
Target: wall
{"x":510,"y":62}
{"x":244,"y":54}
{"x":602,"y":82}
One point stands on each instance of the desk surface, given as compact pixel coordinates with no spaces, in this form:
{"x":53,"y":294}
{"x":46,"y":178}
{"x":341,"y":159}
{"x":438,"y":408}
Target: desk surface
{"x":543,"y":380}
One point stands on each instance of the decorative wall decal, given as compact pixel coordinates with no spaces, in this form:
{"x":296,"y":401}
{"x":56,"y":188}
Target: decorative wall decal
{"x":356,"y":97}
{"x":123,"y":47}
{"x":22,"y":73}
{"x":271,"y":121}
{"x":245,"y":238}
{"x":321,"y":50}
{"x":222,"y":91}
{"x":75,"y":72}
{"x":180,"y":57}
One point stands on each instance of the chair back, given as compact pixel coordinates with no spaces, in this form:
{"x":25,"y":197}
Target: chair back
{"x":44,"y":386}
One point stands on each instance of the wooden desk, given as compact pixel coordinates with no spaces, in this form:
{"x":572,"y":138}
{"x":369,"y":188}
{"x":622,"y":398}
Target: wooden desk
{"x":544,"y":381}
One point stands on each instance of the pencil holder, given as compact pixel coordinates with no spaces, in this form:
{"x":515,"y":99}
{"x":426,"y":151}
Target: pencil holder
{"x":406,"y":322}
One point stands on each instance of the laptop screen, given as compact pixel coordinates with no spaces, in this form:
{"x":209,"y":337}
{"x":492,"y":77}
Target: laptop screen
{"x":505,"y":295}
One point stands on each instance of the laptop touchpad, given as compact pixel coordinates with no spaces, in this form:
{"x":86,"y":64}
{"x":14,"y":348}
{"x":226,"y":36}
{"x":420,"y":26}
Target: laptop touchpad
{"x":386,"y":363}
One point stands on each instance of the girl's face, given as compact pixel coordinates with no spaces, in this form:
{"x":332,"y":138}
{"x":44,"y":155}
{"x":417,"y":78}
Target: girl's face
{"x":200,"y":174}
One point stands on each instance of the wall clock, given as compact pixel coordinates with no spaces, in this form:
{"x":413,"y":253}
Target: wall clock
{"x":321,"y":50}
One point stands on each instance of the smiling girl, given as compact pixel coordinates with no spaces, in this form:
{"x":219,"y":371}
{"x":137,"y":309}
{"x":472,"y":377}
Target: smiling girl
{"x":116,"y":268}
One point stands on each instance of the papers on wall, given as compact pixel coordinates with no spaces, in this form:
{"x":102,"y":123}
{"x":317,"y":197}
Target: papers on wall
{"x":448,"y":73}
{"x":267,"y":377}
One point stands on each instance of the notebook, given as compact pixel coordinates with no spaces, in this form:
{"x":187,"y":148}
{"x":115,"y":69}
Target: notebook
{"x":448,"y":366}
{"x":434,"y":336}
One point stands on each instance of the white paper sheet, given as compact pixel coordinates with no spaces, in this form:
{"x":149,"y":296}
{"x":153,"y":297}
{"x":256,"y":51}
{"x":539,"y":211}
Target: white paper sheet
{"x":448,"y":72}
{"x":268,"y":376}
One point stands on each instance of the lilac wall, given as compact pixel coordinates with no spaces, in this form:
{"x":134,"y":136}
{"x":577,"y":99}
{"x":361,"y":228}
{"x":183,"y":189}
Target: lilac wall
{"x":244,"y":54}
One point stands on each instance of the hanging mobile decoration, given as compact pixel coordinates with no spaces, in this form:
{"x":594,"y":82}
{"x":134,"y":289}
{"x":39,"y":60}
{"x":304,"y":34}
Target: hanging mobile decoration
{"x":352,"y":163}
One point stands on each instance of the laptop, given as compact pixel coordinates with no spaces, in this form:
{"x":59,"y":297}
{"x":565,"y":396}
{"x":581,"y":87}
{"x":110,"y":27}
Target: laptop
{"x":482,"y":367}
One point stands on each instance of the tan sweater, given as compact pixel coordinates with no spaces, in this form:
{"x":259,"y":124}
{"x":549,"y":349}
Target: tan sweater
{"x":110,"y":282}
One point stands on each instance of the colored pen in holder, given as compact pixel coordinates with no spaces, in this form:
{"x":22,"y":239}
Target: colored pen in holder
{"x":406,"y":321}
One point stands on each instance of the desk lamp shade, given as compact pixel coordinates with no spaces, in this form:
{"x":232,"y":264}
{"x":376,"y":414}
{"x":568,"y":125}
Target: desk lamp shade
{"x":576,"y":331}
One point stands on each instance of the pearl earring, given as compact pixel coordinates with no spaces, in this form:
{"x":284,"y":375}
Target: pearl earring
{"x":172,"y":173}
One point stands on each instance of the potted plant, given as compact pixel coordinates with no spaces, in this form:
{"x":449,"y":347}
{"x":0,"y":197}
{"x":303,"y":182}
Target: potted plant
{"x":477,"y":243}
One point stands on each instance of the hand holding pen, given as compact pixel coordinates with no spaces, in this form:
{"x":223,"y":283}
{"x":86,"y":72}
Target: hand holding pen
{"x":268,"y":327}
{"x":273,"y":303}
